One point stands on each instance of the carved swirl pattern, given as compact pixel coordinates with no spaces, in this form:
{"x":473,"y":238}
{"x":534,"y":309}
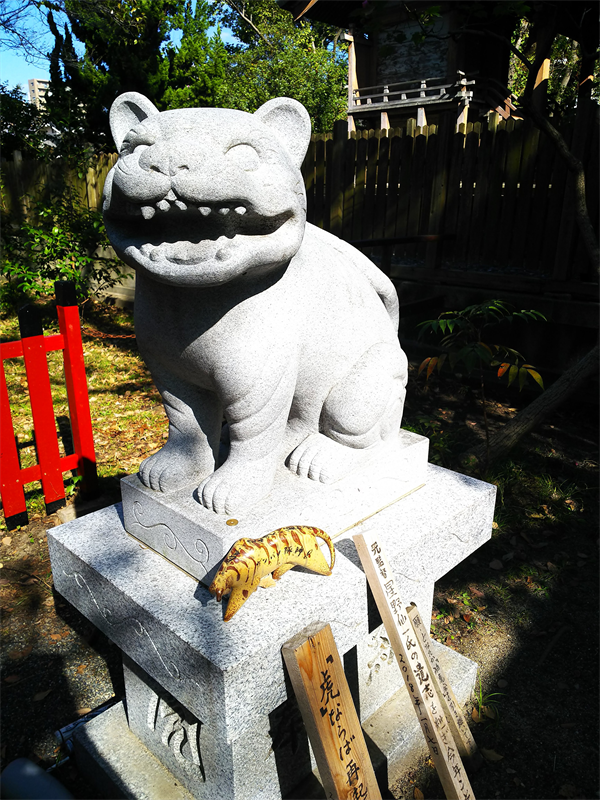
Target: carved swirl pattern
{"x":177,"y":729}
{"x":171,"y":540}
{"x":107,"y":615}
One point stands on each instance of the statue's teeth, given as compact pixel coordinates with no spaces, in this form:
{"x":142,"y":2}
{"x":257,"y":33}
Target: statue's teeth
{"x":204,"y":210}
{"x":163,"y":205}
{"x":224,"y":210}
{"x":240,"y":210}
{"x":171,"y":195}
{"x":148,"y":212}
{"x":181,"y":205}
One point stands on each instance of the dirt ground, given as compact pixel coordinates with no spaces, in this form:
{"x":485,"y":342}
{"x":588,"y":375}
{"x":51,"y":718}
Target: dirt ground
{"x":524,"y":607}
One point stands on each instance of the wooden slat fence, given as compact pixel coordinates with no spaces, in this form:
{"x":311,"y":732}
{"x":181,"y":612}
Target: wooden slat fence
{"x":25,"y":183}
{"x":496,"y":191}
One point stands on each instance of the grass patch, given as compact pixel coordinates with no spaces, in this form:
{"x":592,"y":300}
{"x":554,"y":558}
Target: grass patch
{"x":128,"y":419}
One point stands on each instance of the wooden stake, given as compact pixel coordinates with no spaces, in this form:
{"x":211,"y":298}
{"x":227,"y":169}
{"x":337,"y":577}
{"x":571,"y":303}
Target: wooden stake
{"x":458,"y":724}
{"x":328,"y":711}
{"x":405,"y":644}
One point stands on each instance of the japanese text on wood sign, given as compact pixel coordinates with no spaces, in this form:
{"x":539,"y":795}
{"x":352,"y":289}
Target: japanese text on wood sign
{"x":428,"y":706}
{"x":333,"y":711}
{"x":328,"y":711}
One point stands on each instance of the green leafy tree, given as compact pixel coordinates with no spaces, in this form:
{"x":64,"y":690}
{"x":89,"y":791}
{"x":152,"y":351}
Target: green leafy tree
{"x":565,"y":65}
{"x":277,"y":57}
{"x":24,"y":127}
{"x":128,"y":47}
{"x":197,"y":68}
{"x":59,"y":240}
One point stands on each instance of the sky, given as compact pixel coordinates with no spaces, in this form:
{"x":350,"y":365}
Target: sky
{"x":14,"y":67}
{"x":15,"y":70}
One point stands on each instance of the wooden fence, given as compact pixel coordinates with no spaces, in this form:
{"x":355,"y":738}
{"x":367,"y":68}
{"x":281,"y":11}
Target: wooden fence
{"x":25,"y":182}
{"x":497,"y":192}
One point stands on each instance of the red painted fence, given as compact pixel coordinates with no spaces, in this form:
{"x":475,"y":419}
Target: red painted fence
{"x":33,"y":347}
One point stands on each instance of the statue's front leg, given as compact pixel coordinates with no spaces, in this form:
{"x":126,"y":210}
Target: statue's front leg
{"x":189,"y":455}
{"x":257,"y":424}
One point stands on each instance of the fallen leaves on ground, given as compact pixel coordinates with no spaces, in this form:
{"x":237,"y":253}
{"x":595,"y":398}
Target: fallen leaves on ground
{"x":491,"y":755}
{"x":15,"y":655}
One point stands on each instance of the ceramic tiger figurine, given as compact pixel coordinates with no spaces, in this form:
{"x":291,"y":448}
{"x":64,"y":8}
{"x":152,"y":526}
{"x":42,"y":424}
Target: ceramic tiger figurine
{"x":254,"y":562}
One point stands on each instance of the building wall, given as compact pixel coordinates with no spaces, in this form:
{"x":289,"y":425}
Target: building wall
{"x":37,"y":91}
{"x":406,"y":61}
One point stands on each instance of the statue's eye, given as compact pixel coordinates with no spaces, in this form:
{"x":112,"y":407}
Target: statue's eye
{"x":135,"y":143}
{"x":243,"y":156}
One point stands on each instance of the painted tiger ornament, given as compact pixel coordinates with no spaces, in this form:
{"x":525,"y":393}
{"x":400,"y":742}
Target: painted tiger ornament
{"x":260,"y":562}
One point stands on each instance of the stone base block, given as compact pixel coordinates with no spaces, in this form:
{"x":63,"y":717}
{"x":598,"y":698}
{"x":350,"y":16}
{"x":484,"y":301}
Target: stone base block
{"x":162,"y":751}
{"x":229,"y":675}
{"x":205,"y":764}
{"x":228,"y":679}
{"x":115,"y":761}
{"x":196,"y":540}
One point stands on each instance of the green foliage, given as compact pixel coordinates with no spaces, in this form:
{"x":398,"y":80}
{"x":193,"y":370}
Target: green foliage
{"x":564,"y":72}
{"x":23,"y":126}
{"x":58,"y":240}
{"x":487,"y":705}
{"x":279,"y":58}
{"x":198,"y":67}
{"x":441,"y":440}
{"x":162,"y":48}
{"x":462,"y":343}
{"x":128,"y":47}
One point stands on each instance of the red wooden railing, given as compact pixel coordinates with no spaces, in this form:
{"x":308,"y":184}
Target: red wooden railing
{"x":33,"y":347}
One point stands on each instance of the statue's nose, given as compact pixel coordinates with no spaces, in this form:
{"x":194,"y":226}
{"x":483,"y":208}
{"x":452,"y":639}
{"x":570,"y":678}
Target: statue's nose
{"x":161,"y":159}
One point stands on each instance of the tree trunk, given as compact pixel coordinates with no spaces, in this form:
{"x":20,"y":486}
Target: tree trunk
{"x":533,"y":414}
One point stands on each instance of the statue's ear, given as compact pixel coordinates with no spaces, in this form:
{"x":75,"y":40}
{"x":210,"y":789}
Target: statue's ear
{"x":126,"y":112}
{"x":289,"y":120}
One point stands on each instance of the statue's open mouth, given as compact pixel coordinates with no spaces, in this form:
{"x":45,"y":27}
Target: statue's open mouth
{"x":185,"y":233}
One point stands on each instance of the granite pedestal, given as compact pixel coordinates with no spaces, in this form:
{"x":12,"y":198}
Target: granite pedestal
{"x":178,"y":527}
{"x":210,"y":701}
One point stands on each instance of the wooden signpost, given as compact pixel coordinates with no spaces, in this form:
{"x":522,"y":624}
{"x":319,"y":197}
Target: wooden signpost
{"x":458,"y":724}
{"x":416,"y":670}
{"x":328,"y":711}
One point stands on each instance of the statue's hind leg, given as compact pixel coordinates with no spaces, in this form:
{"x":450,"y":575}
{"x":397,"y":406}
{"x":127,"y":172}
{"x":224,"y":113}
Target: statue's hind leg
{"x":362,"y":411}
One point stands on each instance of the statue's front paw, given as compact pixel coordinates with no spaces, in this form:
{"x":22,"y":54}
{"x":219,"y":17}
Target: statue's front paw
{"x":321,"y":459}
{"x":231,"y":489}
{"x":168,"y":470}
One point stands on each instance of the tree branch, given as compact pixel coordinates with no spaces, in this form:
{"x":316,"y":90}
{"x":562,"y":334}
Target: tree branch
{"x":570,"y":381}
{"x":234,"y":6}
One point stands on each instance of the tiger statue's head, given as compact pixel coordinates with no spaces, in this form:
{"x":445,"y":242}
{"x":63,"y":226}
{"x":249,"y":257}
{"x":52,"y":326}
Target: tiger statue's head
{"x":203,"y":196}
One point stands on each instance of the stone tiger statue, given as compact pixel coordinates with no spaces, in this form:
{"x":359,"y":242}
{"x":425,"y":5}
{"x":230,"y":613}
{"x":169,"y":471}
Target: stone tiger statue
{"x":243,"y":311}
